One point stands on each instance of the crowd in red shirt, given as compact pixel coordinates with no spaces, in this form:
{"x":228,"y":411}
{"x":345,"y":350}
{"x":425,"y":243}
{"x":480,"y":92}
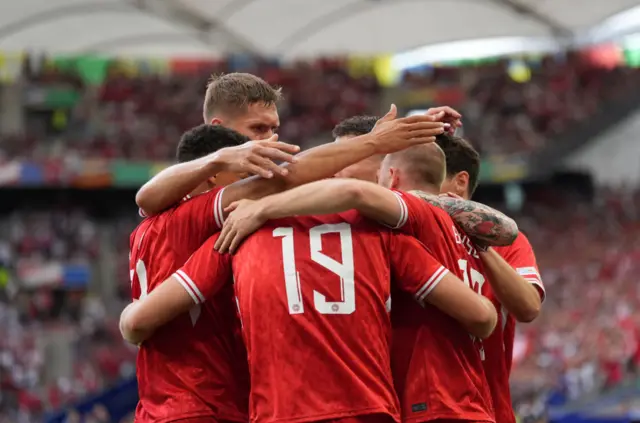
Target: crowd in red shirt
{"x":141,"y":117}
{"x":587,"y":337}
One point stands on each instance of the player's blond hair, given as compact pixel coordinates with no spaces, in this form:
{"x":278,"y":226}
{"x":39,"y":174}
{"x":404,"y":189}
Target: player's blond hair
{"x":233,"y":92}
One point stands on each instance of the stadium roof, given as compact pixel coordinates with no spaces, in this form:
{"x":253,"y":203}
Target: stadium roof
{"x":296,"y":28}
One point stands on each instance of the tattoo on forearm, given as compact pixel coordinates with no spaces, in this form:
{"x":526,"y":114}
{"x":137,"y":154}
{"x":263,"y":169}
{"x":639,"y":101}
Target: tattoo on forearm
{"x":484,"y":224}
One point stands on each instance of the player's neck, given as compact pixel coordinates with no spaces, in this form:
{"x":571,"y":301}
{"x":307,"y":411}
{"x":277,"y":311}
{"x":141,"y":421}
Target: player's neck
{"x":426,"y":188}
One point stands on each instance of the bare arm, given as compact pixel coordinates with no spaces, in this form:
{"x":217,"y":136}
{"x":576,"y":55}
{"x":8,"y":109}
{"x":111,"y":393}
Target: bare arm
{"x":334,"y":196}
{"x":483,"y":224}
{"x":141,"y":318}
{"x":389,"y":135}
{"x":454,"y":298}
{"x":373,"y":201}
{"x":173,"y":183}
{"x":517,"y":295}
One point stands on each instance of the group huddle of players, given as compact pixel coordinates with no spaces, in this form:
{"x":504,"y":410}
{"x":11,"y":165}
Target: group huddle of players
{"x":296,"y":296}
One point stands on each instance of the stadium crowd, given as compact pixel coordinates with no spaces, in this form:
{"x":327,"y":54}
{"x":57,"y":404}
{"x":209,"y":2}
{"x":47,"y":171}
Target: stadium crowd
{"x":586,"y":339}
{"x":140,"y":117}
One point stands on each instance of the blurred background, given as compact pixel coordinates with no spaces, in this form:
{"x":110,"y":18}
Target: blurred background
{"x":95,"y":94}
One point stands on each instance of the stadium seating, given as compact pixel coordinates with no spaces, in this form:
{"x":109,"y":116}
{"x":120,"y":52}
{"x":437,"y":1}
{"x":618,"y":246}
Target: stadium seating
{"x":140,"y":117}
{"x":586,"y":340}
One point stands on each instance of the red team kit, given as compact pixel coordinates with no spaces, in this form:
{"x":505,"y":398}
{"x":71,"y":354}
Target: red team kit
{"x":327,"y":336}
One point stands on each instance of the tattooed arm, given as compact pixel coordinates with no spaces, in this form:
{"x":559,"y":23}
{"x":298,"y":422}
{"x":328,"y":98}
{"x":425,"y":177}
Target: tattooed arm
{"x":487,"y":226}
{"x":373,"y":201}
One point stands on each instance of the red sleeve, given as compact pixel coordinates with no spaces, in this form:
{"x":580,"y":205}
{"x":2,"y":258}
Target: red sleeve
{"x":201,"y":214}
{"x":413,"y":268}
{"x":416,"y":215}
{"x":205,"y":272}
{"x":521,"y":257}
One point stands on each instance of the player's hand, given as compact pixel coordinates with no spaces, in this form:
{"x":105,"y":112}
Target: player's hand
{"x":258,"y":157}
{"x":448,"y":115}
{"x":245,"y":218}
{"x":391,"y":134}
{"x":451,"y":195}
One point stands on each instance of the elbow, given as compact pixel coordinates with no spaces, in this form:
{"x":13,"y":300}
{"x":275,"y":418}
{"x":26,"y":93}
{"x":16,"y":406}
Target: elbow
{"x":144,"y":200}
{"x":509,"y":231}
{"x":484,"y":321}
{"x":356,"y":191}
{"x":528,"y":314}
{"x":132,"y":328}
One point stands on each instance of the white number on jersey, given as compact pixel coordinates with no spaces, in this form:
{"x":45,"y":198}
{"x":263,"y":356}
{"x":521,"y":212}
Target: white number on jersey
{"x":344,"y":269}
{"x":475,"y":280}
{"x":141,"y":271}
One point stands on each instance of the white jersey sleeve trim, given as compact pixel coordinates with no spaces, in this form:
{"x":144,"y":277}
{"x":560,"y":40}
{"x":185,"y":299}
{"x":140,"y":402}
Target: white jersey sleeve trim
{"x":531,"y":275}
{"x":404,"y":212}
{"x":190,"y":287}
{"x":429,"y":285}
{"x":218,"y":212}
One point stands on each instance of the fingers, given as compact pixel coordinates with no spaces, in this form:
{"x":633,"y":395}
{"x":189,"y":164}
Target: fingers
{"x":451,"y":195}
{"x":231,"y":207}
{"x":224,"y":233}
{"x":226,"y":241}
{"x":273,"y":151}
{"x":444,"y":109}
{"x":267,"y":165}
{"x":280,"y":146}
{"x":438,"y":127}
{"x":235,"y":242}
{"x":417,"y":119}
{"x":258,"y":169}
{"x":390,"y":115}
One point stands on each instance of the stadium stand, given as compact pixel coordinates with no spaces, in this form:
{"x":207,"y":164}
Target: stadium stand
{"x":139,"y":117}
{"x":587,"y":340}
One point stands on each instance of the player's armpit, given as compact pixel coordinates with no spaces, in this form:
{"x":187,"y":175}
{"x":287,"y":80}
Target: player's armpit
{"x":485,"y":225}
{"x":476,"y":313}
{"x":140,"y":319}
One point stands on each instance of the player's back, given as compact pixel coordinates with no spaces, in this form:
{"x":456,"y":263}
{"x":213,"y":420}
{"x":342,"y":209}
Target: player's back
{"x":436,"y":363}
{"x":313,"y":295}
{"x":192,"y":366}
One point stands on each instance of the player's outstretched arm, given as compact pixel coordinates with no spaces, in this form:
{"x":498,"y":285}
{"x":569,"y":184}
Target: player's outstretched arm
{"x":485,"y":225}
{"x":174,"y":183}
{"x":141,"y":318}
{"x":416,"y":271}
{"x":321,"y":197}
{"x":515,"y":293}
{"x":389,"y":135}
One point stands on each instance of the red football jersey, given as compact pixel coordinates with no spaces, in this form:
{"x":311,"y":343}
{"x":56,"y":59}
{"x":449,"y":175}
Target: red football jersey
{"x":499,"y":346}
{"x":313,"y":295}
{"x":437,"y":364}
{"x":196,"y":364}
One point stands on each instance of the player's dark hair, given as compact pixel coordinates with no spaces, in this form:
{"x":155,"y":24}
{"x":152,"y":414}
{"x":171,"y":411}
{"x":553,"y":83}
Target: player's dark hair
{"x":233,"y":92}
{"x":355,"y":126}
{"x":206,"y":139}
{"x":461,"y":157}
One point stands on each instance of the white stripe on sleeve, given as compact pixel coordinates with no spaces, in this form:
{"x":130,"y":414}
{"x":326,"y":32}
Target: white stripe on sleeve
{"x":187,"y":288}
{"x":404,"y":214}
{"x":218,"y":212}
{"x":429,"y":285}
{"x":190,"y":286}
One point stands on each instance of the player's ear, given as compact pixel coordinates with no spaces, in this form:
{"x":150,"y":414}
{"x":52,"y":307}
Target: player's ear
{"x":216,"y":121}
{"x":394,"y":178}
{"x":211,"y":182}
{"x":461,"y":181}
